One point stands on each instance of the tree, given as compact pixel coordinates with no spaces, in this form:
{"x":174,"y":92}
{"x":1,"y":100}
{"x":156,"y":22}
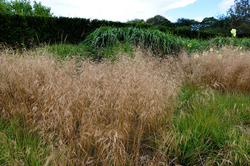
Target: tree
{"x":23,"y":7}
{"x":40,"y":10}
{"x":240,"y":16}
{"x":221,"y":24}
{"x":20,"y":7}
{"x":139,"y":21}
{"x":159,"y":20}
{"x":191,"y":23}
{"x":208,"y":22}
{"x":3,"y":8}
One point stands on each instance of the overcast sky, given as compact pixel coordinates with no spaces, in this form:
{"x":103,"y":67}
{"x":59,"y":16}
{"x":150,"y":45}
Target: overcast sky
{"x":124,"y":10}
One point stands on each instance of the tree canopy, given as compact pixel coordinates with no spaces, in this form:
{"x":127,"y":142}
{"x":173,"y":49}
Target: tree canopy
{"x":191,"y":23}
{"x":240,"y":16}
{"x":140,"y":21}
{"x":23,"y":7}
{"x":3,"y":7}
{"x":221,"y":24}
{"x":159,"y":20}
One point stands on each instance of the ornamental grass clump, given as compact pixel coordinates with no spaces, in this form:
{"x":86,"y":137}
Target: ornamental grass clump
{"x":226,"y":70}
{"x":158,"y":42}
{"x":92,"y":113}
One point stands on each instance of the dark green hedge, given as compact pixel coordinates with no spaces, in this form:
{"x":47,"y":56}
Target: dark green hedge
{"x":243,"y":35}
{"x":26,"y":31}
{"x":18,"y":29}
{"x":198,"y":34}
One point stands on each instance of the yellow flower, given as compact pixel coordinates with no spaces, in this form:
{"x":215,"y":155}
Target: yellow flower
{"x":241,"y":54}
{"x":204,"y":53}
{"x":220,"y":57}
{"x":240,"y":48}
{"x":190,"y":45}
{"x":233,"y":31}
{"x":217,"y":52}
{"x":196,"y":56}
{"x":211,"y":49}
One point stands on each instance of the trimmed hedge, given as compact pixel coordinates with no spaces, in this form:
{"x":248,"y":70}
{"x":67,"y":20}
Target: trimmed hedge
{"x":26,"y":31}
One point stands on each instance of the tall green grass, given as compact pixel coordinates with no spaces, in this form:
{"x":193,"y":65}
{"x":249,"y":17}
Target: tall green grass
{"x":158,"y":42}
{"x":155,"y":40}
{"x":19,"y":145}
{"x":211,"y":128}
{"x":68,"y":50}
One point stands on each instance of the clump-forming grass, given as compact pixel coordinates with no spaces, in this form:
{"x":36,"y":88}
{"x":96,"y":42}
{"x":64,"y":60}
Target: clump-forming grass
{"x":155,"y":40}
{"x":211,"y":128}
{"x":98,"y":113}
{"x":132,"y":111}
{"x":19,"y":145}
{"x":225,"y":70}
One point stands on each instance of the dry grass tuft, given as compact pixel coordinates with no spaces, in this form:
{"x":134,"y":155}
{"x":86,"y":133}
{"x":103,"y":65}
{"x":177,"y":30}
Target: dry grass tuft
{"x":227,"y":70}
{"x":97,"y":113}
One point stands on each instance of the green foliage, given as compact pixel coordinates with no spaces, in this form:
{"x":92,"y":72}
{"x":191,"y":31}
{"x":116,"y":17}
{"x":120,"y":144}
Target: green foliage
{"x":211,"y":25}
{"x":137,"y":21}
{"x":15,"y":30}
{"x":162,"y":28}
{"x":19,"y":145}
{"x":112,"y":53}
{"x":40,"y":10}
{"x":27,"y":31}
{"x":155,"y":40}
{"x":239,"y":14}
{"x":3,"y":8}
{"x":208,"y":22}
{"x":64,"y":51}
{"x":158,"y":42}
{"x":24,"y":8}
{"x":191,"y":23}
{"x":159,"y":20}
{"x":183,"y":28}
{"x":20,"y":7}
{"x":210,"y":127}
{"x":222,"y":24}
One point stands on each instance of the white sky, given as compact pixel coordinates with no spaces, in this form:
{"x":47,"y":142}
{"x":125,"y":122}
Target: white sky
{"x":121,"y":10}
{"x":226,"y":4}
